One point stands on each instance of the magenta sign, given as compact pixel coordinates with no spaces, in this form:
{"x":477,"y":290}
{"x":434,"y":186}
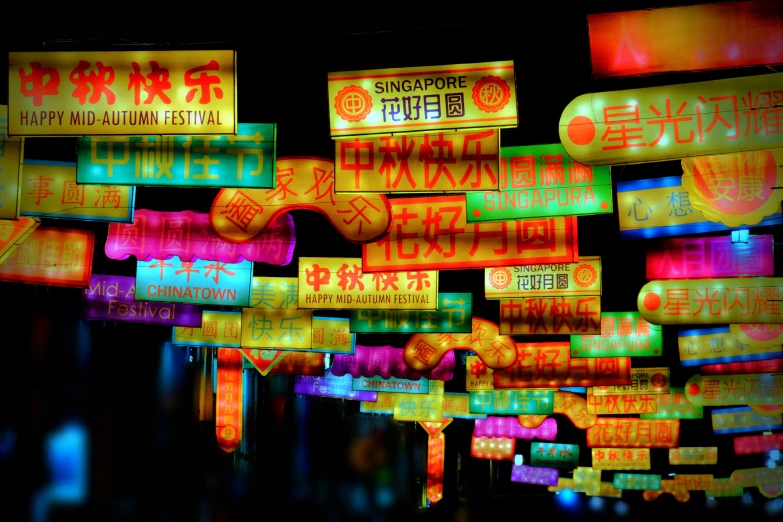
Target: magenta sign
{"x":708,"y":257}
{"x":387,"y":362}
{"x":113,"y":298}
{"x":189,"y":236}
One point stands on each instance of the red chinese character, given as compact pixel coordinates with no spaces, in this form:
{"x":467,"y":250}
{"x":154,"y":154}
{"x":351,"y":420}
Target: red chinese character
{"x":390,"y":148}
{"x":423,"y":352}
{"x":158,"y":83}
{"x":218,"y":268}
{"x":718,"y":118}
{"x":677,"y":301}
{"x":351,"y":158}
{"x":317,"y":276}
{"x":552,"y":172}
{"x":40,"y":189}
{"x":241,"y":210}
{"x":481,"y":160}
{"x":670,"y":119}
{"x":187,"y":267}
{"x":43,"y":81}
{"x":209,"y":329}
{"x":535,"y":318}
{"x":96,"y":81}
{"x":284,"y":178}
{"x":324,"y":184}
{"x":162,"y":265}
{"x":439,"y":154}
{"x":622,"y":115}
{"x":350,"y":278}
{"x":384,"y":280}
{"x":73,"y":194}
{"x":419,"y":279}
{"x":587,"y":315}
{"x":204,"y":81}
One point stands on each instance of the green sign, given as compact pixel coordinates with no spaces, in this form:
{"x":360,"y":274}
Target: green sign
{"x":623,"y":334}
{"x":674,"y":405}
{"x":637,"y":481}
{"x":550,"y":455}
{"x":512,"y":402}
{"x":542,"y":181}
{"x":246,"y":160}
{"x":392,"y":384}
{"x":454,"y":315}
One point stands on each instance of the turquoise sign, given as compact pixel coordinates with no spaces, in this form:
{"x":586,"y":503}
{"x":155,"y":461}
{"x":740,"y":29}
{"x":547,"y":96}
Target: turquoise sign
{"x":512,"y":402}
{"x":247,"y":160}
{"x":637,"y":481}
{"x":454,"y":315}
{"x":199,"y":282}
{"x":392,"y":384}
{"x":550,"y":455}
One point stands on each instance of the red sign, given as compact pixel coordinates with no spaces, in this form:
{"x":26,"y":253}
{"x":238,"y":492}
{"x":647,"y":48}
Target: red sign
{"x":52,"y":256}
{"x":228,"y":417}
{"x":689,"y":38}
{"x":300,"y":363}
{"x":263,"y":360}
{"x":633,"y":433}
{"x":768,"y":366}
{"x":703,"y":257}
{"x":758,"y":443}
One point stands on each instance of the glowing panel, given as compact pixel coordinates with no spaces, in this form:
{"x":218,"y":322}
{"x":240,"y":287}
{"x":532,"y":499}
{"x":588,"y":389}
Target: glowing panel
{"x":387,"y":361}
{"x":769,"y":366}
{"x":693,"y":456}
{"x":719,"y":345}
{"x":277,"y":328}
{"x":554,"y":279}
{"x":457,"y":406}
{"x":392,"y":384}
{"x":635,"y":126}
{"x":531,"y":475}
{"x":628,"y":404}
{"x":637,"y":481}
{"x":331,"y":335}
{"x":551,"y":315}
{"x":729,"y":390}
{"x":724,"y":487}
{"x":643,"y":381}
{"x":742,"y":420}
{"x":618,"y":458}
{"x":435,"y":454}
{"x":478,"y":376}
{"x":758,"y":477}
{"x":510,"y":427}
{"x":548,"y":455}
{"x":588,"y":481}
{"x":674,"y":405}
{"x":13,"y":233}
{"x":493,"y":448}
{"x":262,"y":360}
{"x":693,"y":482}
{"x":633,"y":433}
{"x":453,"y":315}
{"x":433,"y":428}
{"x":668,"y":487}
{"x":228,"y":399}
{"x":759,"y":335}
{"x":623,"y":334}
{"x":10,"y":169}
{"x":512,"y":402}
{"x":300,"y":363}
{"x":575,"y":408}
{"x":222,"y":329}
{"x":329,"y":385}
{"x":418,"y":407}
{"x":758,"y":443}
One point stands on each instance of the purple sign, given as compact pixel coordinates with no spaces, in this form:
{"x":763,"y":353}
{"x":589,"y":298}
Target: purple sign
{"x":509,"y":427}
{"x":112,"y":298}
{"x":531,"y":475}
{"x":331,"y":386}
{"x":188,"y":235}
{"x":387,"y":361}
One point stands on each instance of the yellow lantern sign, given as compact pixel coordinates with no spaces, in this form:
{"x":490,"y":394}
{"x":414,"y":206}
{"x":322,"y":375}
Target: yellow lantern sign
{"x":383,"y":405}
{"x":574,"y":407}
{"x":587,"y":480}
{"x":633,"y":433}
{"x":621,"y":458}
{"x":572,"y":315}
{"x":10,"y":169}
{"x":222,"y":329}
{"x":731,"y":390}
{"x":643,"y":381}
{"x":761,"y":336}
{"x":418,"y":407}
{"x":278,"y":328}
{"x":673,"y":121}
{"x":457,"y":406}
{"x":628,"y":404}
{"x":274,"y":292}
{"x":693,"y":456}
{"x":553,"y":279}
{"x":478,"y":376}
{"x":712,"y":301}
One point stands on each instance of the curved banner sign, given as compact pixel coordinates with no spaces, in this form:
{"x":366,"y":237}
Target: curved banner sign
{"x":761,"y":336}
{"x":734,"y":390}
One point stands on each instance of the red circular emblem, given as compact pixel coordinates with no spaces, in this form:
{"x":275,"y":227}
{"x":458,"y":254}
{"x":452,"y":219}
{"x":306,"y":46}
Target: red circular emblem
{"x":499,"y":278}
{"x":491,"y":94}
{"x":676,"y":456}
{"x":353,"y":103}
{"x":228,"y":433}
{"x":585,"y":275}
{"x":658,"y":380}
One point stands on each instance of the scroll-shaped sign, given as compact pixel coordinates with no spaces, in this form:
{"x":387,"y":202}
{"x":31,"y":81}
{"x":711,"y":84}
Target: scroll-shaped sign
{"x":331,"y":386}
{"x":759,"y":335}
{"x":551,"y":315}
{"x":277,"y":328}
{"x":246,"y":159}
{"x":673,"y":121}
{"x":337,"y":283}
{"x":228,"y":399}
{"x":575,"y":408}
{"x":542,"y":181}
{"x":438,"y":162}
{"x":509,"y":427}
{"x":531,"y":475}
{"x":758,"y":477}
{"x":424,"y":351}
{"x":729,"y":390}
{"x":122,"y":93}
{"x":416,"y":99}
{"x":735,"y":189}
{"x":668,"y":487}
{"x":621,"y":404}
{"x":387,"y":362}
{"x":633,"y":433}
{"x":11,"y":153}
{"x":768,"y":366}
{"x":623,"y":334}
{"x":512,"y":402}
{"x":216,"y":329}
{"x":14,"y":232}
{"x":547,"y":454}
{"x":454,"y":315}
{"x":52,"y":256}
{"x":758,"y":443}
{"x":674,"y":405}
{"x":553,"y":279}
{"x":720,"y":345}
{"x":742,"y":420}
{"x":430,"y":233}
{"x":661,"y":207}
{"x":188,"y":235}
{"x":548,"y":365}
{"x":708,"y":257}
{"x":693,"y":456}
{"x":621,"y":458}
{"x":492,"y":448}
{"x":714,"y":301}
{"x":637,"y":481}
{"x":302,"y":183}
{"x":49,"y":189}
{"x":418,"y":407}
{"x":643,"y":381}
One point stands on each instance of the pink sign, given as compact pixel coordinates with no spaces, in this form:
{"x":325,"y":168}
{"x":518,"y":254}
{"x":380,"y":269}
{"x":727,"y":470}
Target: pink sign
{"x":703,"y":257}
{"x":387,"y":361}
{"x":509,"y":427}
{"x":758,"y":443}
{"x":768,"y":366}
{"x":188,"y":235}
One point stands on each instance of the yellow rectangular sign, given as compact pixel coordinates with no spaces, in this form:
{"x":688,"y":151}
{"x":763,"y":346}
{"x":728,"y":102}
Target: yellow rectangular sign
{"x":621,"y":458}
{"x":13,"y":233}
{"x":336,"y":283}
{"x":86,"y":93}
{"x":478,"y":376}
{"x":274,"y":292}
{"x":693,"y":456}
{"x":438,"y":162}
{"x":578,"y":315}
{"x":693,"y":482}
{"x":553,"y":279}
{"x":643,"y":381}
{"x":333,"y":335}
{"x":11,"y":154}
{"x":418,"y":407}
{"x":383,"y":405}
{"x":277,"y":328}
{"x":422,"y":99}
{"x":457,"y":406}
{"x":627,"y":404}
{"x":217,"y":329}
{"x":719,"y":345}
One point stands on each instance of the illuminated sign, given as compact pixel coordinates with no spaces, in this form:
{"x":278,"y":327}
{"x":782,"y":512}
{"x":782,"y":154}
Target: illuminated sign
{"x":387,"y":362}
{"x":555,"y":279}
{"x":757,"y":477}
{"x":52,"y":256}
{"x":729,"y":390}
{"x":274,"y":292}
{"x":431,"y":233}
{"x":300,"y":363}
{"x":693,"y":456}
{"x":722,"y":301}
{"x":246,"y":159}
{"x":619,"y":458}
{"x":49,"y":189}
{"x":443,"y":162}
{"x":423,"y":352}
{"x":478,"y":376}
{"x":228,"y":399}
{"x":188,"y":235}
{"x":724,"y":487}
{"x":551,"y":315}
{"x":758,"y":443}
{"x":331,"y":335}
{"x":435,"y":465}
{"x":512,"y":402}
{"x":416,"y":99}
{"x":121,"y":93}
{"x":433,"y":428}
{"x":277,"y":328}
{"x":621,"y":404}
{"x":667,"y":487}
{"x":454,"y":315}
{"x":302,"y":183}
{"x":493,"y":448}
{"x":331,"y":386}
{"x":112,"y":298}
{"x":170,"y":281}
{"x":545,"y":454}
{"x":14,"y":232}
{"x":623,"y":334}
{"x":337,"y":283}
{"x":392,"y":384}
{"x":759,"y":335}
{"x":383,"y":404}
{"x":719,"y":345}
{"x":742,"y":420}
{"x":262,"y":360}
{"x":768,"y":366}
{"x":457,"y":406}
{"x":220,"y":329}
{"x":531,"y":475}
{"x":673,"y":121}
{"x":575,"y":408}
{"x":637,"y":481}
{"x":542,"y":181}
{"x":674,"y":405}
{"x":548,"y":365}
{"x":643,"y":381}
{"x":418,"y":407}
{"x":709,"y":257}
{"x":631,"y":43}
{"x":11,"y":154}
{"x":509,"y":427}
{"x":633,"y":433}
{"x":693,"y":482}
{"x":661,"y":207}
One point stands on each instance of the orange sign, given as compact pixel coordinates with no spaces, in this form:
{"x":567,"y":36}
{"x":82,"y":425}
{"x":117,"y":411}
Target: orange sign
{"x":433,"y":428}
{"x":621,"y":404}
{"x":619,"y":458}
{"x":240,"y":215}
{"x":693,"y":482}
{"x":572,"y":406}
{"x":263,"y":360}
{"x":13,"y":233}
{"x":430,"y":233}
{"x":633,"y":433}
{"x":551,"y":315}
{"x":300,"y":363}
{"x":435,"y":464}
{"x":52,"y":256}
{"x":668,"y":486}
{"x":228,"y":416}
{"x":549,"y":365}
